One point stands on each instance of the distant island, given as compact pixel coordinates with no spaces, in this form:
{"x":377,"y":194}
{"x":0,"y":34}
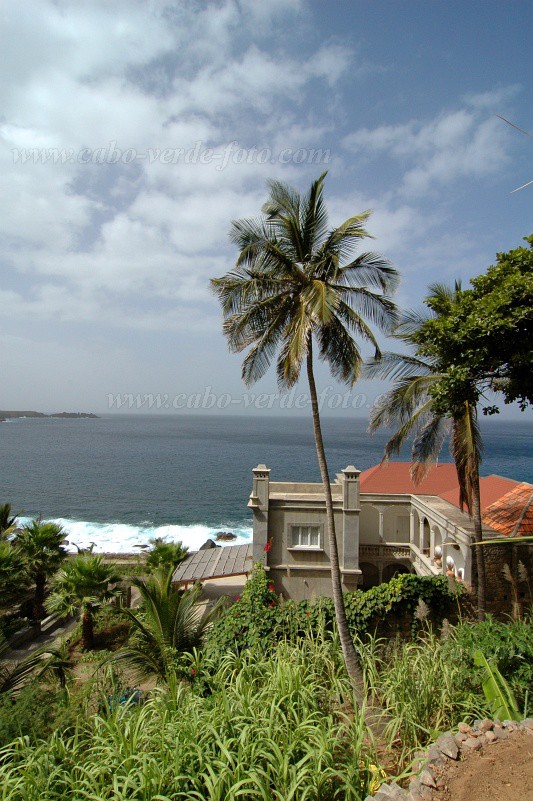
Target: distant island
{"x":69,"y":415}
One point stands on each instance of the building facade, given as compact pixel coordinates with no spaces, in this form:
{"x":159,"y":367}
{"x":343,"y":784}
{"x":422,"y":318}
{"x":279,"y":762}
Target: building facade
{"x":384,"y":523}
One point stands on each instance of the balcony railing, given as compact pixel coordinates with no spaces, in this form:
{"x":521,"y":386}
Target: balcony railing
{"x":387,"y":550}
{"x":399,"y":550}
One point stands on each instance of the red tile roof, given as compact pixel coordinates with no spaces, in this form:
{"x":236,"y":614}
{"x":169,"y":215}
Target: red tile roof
{"x":512,"y":514}
{"x":441,"y":480}
{"x":395,"y":478}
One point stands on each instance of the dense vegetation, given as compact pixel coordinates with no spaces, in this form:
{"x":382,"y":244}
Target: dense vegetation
{"x":269,"y":723}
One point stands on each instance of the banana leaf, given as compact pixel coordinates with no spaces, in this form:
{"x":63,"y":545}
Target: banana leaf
{"x":497,"y":691}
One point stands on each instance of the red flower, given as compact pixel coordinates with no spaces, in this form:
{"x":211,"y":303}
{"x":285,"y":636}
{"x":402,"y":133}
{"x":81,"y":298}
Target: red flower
{"x":193,"y":672}
{"x":268,"y":546}
{"x":271,"y":587}
{"x":271,"y":604}
{"x":238,"y":598}
{"x":308,"y":613}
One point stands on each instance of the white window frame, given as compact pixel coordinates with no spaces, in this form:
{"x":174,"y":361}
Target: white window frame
{"x":295,"y":533}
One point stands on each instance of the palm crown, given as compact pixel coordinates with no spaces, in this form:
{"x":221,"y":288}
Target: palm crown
{"x":295,"y":279}
{"x":410,"y":407}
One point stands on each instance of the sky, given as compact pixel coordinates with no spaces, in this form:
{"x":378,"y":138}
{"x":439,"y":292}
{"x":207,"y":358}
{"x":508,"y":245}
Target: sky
{"x":133,"y":133}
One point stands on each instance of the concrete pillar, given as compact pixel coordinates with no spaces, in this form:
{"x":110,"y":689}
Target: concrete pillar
{"x":350,"y":518}
{"x":421,"y":534}
{"x":381,"y":514}
{"x":259,"y":504}
{"x":412,"y":527}
{"x":432,"y":545}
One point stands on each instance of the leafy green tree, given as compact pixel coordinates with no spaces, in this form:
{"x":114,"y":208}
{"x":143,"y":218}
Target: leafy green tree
{"x":40,"y":545}
{"x":484,"y":339}
{"x":297,"y":286}
{"x":82,"y":586}
{"x":164,"y":554}
{"x":168,"y":624}
{"x":417,"y":407}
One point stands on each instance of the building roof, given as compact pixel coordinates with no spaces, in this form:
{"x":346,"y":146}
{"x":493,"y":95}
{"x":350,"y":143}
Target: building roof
{"x":231,"y":560}
{"x":512,"y":514}
{"x":395,"y":478}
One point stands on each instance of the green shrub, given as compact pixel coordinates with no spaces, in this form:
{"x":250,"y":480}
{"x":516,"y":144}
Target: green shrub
{"x":32,"y":715}
{"x":509,"y":644}
{"x":260,"y":617}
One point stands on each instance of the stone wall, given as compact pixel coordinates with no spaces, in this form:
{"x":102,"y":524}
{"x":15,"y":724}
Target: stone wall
{"x":500,"y":592}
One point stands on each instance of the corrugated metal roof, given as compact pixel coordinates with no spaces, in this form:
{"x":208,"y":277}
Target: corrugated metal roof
{"x":232,"y":560}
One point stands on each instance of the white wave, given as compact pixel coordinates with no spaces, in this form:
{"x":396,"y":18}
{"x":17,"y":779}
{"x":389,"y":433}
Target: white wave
{"x":126,"y":538}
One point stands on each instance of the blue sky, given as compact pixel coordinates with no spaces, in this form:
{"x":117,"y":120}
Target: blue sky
{"x":148,"y":115}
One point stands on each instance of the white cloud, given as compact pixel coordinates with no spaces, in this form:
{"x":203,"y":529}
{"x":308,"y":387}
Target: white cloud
{"x":454,"y":145}
{"x":90,"y":240}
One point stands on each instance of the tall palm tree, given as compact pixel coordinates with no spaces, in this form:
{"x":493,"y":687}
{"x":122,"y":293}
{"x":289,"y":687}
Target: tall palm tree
{"x":168,"y":624}
{"x":411,"y":409}
{"x":82,"y":586}
{"x":40,"y":545}
{"x":297,"y":286}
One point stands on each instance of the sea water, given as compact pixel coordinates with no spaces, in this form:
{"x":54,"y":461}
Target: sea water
{"x":119,"y":481}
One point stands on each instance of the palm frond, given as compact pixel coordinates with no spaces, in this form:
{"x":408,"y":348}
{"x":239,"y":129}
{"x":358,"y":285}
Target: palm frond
{"x":378,"y":309}
{"x":370,"y":270}
{"x":338,"y":348}
{"x":314,"y":217}
{"x":427,"y":446}
{"x":396,"y":365}
{"x":294,"y":347}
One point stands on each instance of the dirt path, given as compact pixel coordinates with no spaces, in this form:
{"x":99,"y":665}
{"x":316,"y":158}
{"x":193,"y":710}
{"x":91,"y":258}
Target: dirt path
{"x":501,"y":772}
{"x":43,"y":640}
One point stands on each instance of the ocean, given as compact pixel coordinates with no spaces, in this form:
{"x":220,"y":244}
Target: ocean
{"x":118,"y":481}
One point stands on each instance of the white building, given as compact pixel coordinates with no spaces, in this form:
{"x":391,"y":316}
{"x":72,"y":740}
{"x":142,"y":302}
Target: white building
{"x":384,"y":523}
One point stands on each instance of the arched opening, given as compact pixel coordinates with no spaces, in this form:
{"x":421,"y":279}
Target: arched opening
{"x":436,"y":546}
{"x":425,"y":535}
{"x":370,"y":575}
{"x":393,"y":569}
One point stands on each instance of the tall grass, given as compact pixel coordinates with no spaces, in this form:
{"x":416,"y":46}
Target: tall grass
{"x":274,"y":725}
{"x":422,"y":689}
{"x":279,"y":728}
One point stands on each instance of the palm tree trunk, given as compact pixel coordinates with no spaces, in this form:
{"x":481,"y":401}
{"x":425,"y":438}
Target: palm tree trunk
{"x":38,"y":600}
{"x":350,"y":657}
{"x":87,"y":631}
{"x":478,"y":537}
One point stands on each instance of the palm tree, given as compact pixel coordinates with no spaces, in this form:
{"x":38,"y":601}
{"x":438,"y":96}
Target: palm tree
{"x":296,"y":286}
{"x":7,"y":521}
{"x":82,"y":586}
{"x":13,"y":576}
{"x":40,"y":545}
{"x":413,"y":411}
{"x":14,"y":676}
{"x":164,"y":554}
{"x":168,"y":624}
